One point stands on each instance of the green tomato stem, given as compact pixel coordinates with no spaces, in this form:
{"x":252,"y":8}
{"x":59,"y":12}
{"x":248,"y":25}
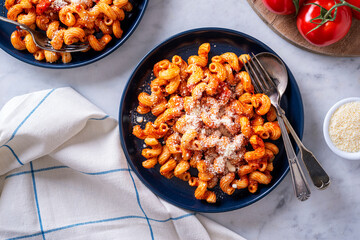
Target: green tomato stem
{"x":297,"y":7}
{"x":351,"y":6}
{"x":331,"y":9}
{"x":327,"y":16}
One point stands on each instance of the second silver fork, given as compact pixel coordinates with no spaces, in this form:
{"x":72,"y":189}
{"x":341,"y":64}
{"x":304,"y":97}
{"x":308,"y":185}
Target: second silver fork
{"x":261,"y":84}
{"x":42,"y":41}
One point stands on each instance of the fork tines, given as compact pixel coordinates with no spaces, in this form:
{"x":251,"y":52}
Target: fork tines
{"x":67,"y":48}
{"x":259,"y":76}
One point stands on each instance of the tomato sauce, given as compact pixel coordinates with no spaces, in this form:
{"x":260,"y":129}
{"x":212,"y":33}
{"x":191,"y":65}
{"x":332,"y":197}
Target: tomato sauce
{"x":42,"y":6}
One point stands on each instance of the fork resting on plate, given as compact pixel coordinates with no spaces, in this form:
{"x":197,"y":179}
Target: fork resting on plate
{"x":43,"y":42}
{"x":265,"y":85}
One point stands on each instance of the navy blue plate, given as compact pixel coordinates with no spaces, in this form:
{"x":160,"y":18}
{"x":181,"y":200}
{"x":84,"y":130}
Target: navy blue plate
{"x":186,"y":44}
{"x":128,"y":25}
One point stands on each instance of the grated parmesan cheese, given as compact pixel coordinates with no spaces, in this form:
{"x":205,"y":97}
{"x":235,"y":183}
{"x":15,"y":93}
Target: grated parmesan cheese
{"x":139,"y":119}
{"x":344,"y":127}
{"x":223,"y":151}
{"x":86,"y":2}
{"x":58,"y":4}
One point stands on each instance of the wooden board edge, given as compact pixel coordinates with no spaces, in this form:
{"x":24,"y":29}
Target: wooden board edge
{"x":292,"y":42}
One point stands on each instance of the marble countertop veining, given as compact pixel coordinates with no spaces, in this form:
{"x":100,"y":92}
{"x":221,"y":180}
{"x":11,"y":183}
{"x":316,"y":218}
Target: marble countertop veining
{"x":330,"y":214}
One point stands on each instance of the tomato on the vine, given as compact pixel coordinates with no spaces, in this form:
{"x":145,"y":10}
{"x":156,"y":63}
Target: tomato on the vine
{"x":283,"y":7}
{"x":356,"y":3}
{"x":335,"y":27}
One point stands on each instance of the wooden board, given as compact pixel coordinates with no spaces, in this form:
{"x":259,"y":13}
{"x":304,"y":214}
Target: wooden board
{"x":285,"y":26}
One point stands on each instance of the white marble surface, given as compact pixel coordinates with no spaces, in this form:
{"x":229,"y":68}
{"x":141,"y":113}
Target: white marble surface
{"x":330,"y":214}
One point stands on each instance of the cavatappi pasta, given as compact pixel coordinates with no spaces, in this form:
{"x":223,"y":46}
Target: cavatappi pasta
{"x":66,"y":22}
{"x":208,"y":118}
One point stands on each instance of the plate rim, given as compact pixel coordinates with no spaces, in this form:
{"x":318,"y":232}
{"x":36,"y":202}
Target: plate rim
{"x":120,"y":123}
{"x":80,"y":64}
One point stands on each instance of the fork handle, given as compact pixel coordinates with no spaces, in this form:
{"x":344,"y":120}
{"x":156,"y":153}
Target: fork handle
{"x":317,"y":173}
{"x":301,"y":187}
{"x":23,"y":26}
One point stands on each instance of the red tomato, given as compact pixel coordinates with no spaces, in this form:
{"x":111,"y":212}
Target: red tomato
{"x":283,"y":7}
{"x":356,"y":3}
{"x":42,"y":6}
{"x":330,"y":32}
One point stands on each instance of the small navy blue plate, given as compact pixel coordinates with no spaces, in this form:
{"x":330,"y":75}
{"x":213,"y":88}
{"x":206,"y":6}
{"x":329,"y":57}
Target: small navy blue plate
{"x":128,"y":25}
{"x":186,"y":44}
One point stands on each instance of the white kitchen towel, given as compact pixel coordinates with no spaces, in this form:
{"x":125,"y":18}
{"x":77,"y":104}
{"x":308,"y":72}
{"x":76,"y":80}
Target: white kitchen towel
{"x":64,"y":176}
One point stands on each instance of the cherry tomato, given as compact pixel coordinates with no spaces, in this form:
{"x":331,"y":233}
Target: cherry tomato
{"x":42,"y":6}
{"x":283,"y":7}
{"x":356,"y":3}
{"x":330,"y":32}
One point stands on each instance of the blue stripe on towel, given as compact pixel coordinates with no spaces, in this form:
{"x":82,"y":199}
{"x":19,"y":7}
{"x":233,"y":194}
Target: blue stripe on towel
{"x":100,"y":221}
{"x":76,"y":225}
{"x":138,"y":200}
{"x":174,"y":219}
{"x":19,"y":126}
{"x":93,"y":222}
{"x":36,"y":200}
{"x":26,"y":118}
{"x":103,"y":118}
{"x":38,"y":170}
{"x":109,"y":171}
{"x":62,"y":167}
{"x":17,"y":174}
{"x":13,"y":152}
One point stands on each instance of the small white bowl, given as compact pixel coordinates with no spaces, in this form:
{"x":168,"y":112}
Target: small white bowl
{"x":337,"y":151}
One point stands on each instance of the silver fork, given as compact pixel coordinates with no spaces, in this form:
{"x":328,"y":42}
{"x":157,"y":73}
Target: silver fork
{"x":267,"y":86}
{"x":317,"y":174}
{"x":43,"y":42}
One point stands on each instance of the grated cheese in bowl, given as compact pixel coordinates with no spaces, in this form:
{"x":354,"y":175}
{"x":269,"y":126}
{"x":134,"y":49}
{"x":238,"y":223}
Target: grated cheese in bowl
{"x":342,"y":128}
